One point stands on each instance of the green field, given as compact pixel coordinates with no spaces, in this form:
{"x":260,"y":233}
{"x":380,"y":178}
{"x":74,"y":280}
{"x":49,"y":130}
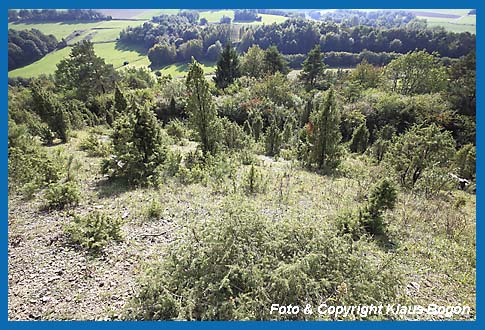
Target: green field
{"x":46,"y":65}
{"x":215,"y":17}
{"x":179,"y":70}
{"x":109,"y":51}
{"x":100,"y":31}
{"x":462,"y":24}
{"x":104,"y":34}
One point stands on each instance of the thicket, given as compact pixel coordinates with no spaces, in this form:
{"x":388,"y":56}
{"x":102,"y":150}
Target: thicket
{"x":235,"y":266}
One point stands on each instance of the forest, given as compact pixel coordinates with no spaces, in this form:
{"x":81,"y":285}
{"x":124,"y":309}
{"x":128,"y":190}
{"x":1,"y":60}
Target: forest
{"x":135,"y":195}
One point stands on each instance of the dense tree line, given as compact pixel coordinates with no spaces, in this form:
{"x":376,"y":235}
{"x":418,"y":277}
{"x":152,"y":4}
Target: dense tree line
{"x":54,"y":15}
{"x":246,"y":15}
{"x":378,"y":18}
{"x":176,"y":38}
{"x":296,"y":36}
{"x":28,"y":46}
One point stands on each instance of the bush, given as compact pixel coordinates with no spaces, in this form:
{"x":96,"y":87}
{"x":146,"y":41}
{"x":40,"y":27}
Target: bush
{"x":234,"y":266}
{"x":253,"y":181}
{"x":94,"y":147}
{"x":138,"y":147}
{"x":60,"y":195}
{"x":273,"y":140}
{"x":154,"y":210}
{"x":418,"y":149}
{"x":382,"y":197}
{"x":360,"y":138}
{"x":177,"y":129}
{"x":94,"y":230}
{"x":30,"y":168}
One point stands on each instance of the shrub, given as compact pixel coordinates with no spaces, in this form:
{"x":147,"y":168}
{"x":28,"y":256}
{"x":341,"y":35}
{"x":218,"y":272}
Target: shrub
{"x":234,"y":266}
{"x":360,"y":138}
{"x":60,"y":195}
{"x":324,"y":135}
{"x":382,"y":197}
{"x":138,"y":147}
{"x":154,"y":210}
{"x":177,"y":129}
{"x":273,"y":140}
{"x":253,"y":181}
{"x":465,"y":162}
{"x":234,"y":136}
{"x":94,"y":147}
{"x":30,"y":168}
{"x":419,"y":149}
{"x":94,"y":230}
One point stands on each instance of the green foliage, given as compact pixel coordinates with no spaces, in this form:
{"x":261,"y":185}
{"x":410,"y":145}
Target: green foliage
{"x":233,"y":266}
{"x":120,"y":101}
{"x":313,"y":71}
{"x":417,"y":72}
{"x":154,"y":210}
{"x":94,"y":146}
{"x":419,"y":149}
{"x":30,"y":168}
{"x":138,"y":148}
{"x":162,"y":54}
{"x":325,"y":136}
{"x":465,"y":162}
{"x":234,"y":136}
{"x":273,"y":139}
{"x":254,"y":181}
{"x":51,"y":112}
{"x":252,"y":63}
{"x":273,"y":61}
{"x":382,"y":197}
{"x":84,"y":73}
{"x":383,"y":142}
{"x":94,"y":230}
{"x":177,"y":129}
{"x":227,"y":67}
{"x":202,"y":113}
{"x":60,"y":195}
{"x":366,"y":75}
{"x":360,"y":139}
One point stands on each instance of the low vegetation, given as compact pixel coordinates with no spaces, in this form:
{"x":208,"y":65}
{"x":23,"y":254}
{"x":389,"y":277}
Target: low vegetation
{"x":140,"y":196}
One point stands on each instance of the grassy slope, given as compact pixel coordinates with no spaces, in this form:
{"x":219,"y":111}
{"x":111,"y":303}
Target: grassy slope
{"x":462,"y":24}
{"x":437,"y":269}
{"x":181,"y":69}
{"x":108,"y":31}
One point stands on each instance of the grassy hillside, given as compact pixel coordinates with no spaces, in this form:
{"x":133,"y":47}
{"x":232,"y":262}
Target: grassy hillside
{"x":104,"y":34}
{"x":70,"y":284}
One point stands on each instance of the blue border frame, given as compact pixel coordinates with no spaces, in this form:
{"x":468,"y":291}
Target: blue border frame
{"x":356,"y":4}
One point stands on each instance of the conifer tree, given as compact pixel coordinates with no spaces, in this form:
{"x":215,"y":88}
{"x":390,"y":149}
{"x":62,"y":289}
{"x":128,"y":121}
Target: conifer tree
{"x":138,"y":147}
{"x":273,"y":139}
{"x":202,"y":113}
{"x":227,"y":67}
{"x":120,"y":101}
{"x":325,"y":137}
{"x":85,"y":73}
{"x":313,"y":69}
{"x":360,"y":138}
{"x":274,"y":61}
{"x":49,"y":110}
{"x":257,"y":127}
